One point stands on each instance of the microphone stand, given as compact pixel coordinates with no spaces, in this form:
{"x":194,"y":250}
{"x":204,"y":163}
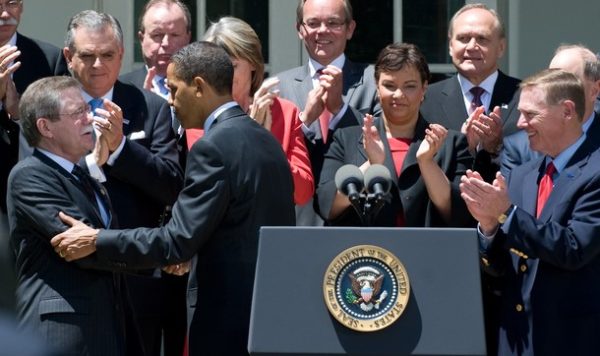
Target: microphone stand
{"x":367,"y":206}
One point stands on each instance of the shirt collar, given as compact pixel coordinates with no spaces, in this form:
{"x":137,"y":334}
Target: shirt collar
{"x":313,"y":65}
{"x":87,"y":97}
{"x":586,"y":125}
{"x":215,"y":114}
{"x":487,"y":84}
{"x":13,"y":40}
{"x":61,"y":161}
{"x":560,"y":161}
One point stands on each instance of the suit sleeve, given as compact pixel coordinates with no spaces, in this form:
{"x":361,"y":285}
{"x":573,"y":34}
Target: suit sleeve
{"x":569,"y":241}
{"x":460,"y":216}
{"x":156,"y":170}
{"x":197,"y":213}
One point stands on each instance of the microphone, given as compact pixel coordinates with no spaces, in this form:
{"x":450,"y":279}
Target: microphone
{"x":378,"y":180}
{"x":349,"y":181}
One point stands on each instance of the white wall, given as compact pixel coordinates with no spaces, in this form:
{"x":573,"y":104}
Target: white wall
{"x":537,"y":27}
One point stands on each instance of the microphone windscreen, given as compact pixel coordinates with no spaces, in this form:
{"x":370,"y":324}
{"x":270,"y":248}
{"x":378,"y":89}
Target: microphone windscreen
{"x":378,"y":173}
{"x":347,"y":174}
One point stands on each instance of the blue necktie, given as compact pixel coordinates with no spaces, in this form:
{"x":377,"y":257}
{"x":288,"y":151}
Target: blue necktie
{"x":164,"y":92}
{"x":95,"y":104}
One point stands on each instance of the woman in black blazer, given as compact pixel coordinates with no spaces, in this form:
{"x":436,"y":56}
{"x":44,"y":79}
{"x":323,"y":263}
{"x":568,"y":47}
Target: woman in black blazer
{"x":426,"y":161}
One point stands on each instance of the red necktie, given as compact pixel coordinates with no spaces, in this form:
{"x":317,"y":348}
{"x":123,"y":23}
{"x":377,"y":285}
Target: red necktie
{"x":476,"y":102}
{"x":545,"y":188}
{"x":325,"y":116}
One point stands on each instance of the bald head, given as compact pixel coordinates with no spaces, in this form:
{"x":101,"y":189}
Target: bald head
{"x":582,"y":62}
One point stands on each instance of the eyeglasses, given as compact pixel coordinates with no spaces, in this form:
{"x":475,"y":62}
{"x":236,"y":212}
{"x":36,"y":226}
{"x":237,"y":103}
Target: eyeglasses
{"x":10,"y":5}
{"x":331,"y":24}
{"x":84,"y":110}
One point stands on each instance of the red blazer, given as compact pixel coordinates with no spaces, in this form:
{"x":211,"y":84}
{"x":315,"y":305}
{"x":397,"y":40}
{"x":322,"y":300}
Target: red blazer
{"x":286,"y":127}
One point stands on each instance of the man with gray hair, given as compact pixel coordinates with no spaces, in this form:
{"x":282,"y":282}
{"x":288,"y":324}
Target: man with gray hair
{"x":478,"y":100}
{"x":76,"y":308}
{"x":137,"y":159}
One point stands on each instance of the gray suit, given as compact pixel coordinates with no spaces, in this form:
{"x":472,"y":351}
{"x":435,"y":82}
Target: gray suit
{"x":359,"y":92}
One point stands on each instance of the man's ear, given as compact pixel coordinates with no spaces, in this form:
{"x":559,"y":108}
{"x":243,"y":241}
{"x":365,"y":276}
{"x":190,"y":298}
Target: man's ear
{"x":43,"y":127}
{"x":569,"y":111}
{"x":200,"y":86}
{"x":68,"y":55}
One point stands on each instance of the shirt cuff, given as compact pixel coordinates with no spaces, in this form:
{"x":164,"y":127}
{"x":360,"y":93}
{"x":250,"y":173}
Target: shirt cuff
{"x":113,"y":157}
{"x":95,"y":171}
{"x":485,"y":240}
{"x":334,"y":120}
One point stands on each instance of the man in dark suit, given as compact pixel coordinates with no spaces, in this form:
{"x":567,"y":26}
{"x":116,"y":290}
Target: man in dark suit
{"x":329,"y":89}
{"x":539,"y":228}
{"x":165,"y":26}
{"x":74,"y":308}
{"x":25,"y":60}
{"x":582,"y":62}
{"x":137,"y":160}
{"x":227,"y":197}
{"x":479,"y":91}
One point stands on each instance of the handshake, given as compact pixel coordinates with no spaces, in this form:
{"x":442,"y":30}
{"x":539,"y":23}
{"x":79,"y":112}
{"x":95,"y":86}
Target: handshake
{"x":367,"y":193}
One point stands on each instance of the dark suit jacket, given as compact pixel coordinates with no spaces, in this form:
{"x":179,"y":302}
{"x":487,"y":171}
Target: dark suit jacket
{"x":516,"y":151}
{"x":228,"y":195}
{"x":409,"y":193}
{"x":74,"y":307}
{"x":554,"y":269}
{"x":146,"y":176}
{"x":444,"y":104}
{"x":135,"y":77}
{"x":38,"y":60}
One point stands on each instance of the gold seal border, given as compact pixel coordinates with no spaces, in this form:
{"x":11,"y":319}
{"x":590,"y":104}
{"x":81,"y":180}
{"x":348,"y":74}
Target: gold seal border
{"x":376,"y":253}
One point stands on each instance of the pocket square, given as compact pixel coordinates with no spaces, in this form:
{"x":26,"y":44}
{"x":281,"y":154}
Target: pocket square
{"x":137,"y":135}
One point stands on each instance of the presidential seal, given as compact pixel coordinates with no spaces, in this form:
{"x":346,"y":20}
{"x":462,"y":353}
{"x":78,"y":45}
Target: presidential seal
{"x":366,"y":288}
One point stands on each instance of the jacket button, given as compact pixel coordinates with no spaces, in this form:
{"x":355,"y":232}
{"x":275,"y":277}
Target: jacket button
{"x":523,"y":268}
{"x":519,"y":307}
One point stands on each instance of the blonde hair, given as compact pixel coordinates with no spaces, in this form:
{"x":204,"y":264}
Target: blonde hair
{"x":240,"y":41}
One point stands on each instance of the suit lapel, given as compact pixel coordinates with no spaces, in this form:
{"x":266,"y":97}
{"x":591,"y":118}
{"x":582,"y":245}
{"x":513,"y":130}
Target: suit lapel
{"x":93,"y":208}
{"x":352,"y":80}
{"x":453,"y":104}
{"x":302,"y":85}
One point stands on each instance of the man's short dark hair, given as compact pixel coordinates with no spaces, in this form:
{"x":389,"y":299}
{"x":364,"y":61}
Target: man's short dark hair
{"x":206,"y":60}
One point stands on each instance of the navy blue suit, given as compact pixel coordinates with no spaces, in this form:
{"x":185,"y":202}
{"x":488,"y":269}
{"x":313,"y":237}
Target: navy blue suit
{"x":550,"y":267}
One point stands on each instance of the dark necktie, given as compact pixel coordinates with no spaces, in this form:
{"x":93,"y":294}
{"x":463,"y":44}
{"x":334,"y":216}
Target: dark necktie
{"x":476,"y":102}
{"x":325,"y":116}
{"x":545,"y":188}
{"x":85,"y":182}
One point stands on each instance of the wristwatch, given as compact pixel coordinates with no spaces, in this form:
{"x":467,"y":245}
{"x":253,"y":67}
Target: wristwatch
{"x":502,"y":217}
